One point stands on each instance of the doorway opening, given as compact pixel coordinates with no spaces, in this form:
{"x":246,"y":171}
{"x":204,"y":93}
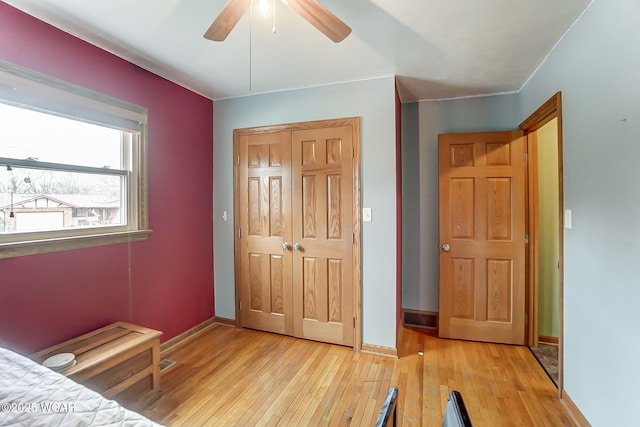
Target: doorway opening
{"x":545,"y":230}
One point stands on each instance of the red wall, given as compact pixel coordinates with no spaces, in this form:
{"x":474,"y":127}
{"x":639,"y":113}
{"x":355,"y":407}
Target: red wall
{"x":48,"y":298}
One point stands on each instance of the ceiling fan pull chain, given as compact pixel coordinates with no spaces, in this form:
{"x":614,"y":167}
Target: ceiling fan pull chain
{"x":274,"y":16}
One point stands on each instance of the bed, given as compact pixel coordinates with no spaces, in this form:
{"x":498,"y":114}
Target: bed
{"x":32,"y":395}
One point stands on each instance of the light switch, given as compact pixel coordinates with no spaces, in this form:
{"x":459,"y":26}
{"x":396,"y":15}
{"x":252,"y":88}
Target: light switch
{"x":224,"y":215}
{"x":366,"y":214}
{"x":567,"y":218}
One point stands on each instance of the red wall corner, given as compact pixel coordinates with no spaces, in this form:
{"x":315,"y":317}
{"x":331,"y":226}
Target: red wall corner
{"x":165,"y":282}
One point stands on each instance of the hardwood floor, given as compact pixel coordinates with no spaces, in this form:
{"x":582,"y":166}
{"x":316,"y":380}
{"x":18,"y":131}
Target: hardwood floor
{"x":239,"y":377}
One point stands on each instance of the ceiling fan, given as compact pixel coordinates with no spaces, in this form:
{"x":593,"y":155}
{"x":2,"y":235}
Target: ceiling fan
{"x":317,"y":15}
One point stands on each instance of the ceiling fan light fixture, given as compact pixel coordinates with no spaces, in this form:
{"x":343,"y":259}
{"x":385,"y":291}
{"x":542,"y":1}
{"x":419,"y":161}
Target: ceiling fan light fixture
{"x":264,"y":7}
{"x":312,"y":11}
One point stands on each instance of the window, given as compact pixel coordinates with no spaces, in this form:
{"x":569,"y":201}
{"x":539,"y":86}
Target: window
{"x":72,"y":166}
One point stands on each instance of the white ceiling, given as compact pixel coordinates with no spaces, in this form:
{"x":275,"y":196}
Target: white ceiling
{"x":437,"y":48}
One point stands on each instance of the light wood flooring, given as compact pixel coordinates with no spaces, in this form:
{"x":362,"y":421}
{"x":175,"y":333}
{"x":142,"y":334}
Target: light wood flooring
{"x":239,"y":377}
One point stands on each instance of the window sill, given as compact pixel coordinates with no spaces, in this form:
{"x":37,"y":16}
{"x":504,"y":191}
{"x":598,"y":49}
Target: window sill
{"x":34,"y":247}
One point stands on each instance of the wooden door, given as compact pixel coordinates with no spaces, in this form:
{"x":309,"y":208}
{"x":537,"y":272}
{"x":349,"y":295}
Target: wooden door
{"x":323,"y":234}
{"x":263,"y":192}
{"x":482,"y":236}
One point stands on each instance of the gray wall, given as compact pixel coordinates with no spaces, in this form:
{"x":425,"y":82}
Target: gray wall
{"x":597,"y":68}
{"x":374,"y":102}
{"x":421,"y":124}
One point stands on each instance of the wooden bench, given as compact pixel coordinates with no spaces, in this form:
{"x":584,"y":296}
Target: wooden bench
{"x":120,"y":361}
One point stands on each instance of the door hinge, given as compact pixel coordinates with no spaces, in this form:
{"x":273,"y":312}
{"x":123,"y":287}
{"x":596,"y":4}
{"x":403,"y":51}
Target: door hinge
{"x":526,"y":239}
{"x":240,"y":305}
{"x":353,"y":237}
{"x":352,"y":153}
{"x":238,"y":159}
{"x":239,"y":233}
{"x":354,"y":322}
{"x":526,"y":157}
{"x":526,"y":319}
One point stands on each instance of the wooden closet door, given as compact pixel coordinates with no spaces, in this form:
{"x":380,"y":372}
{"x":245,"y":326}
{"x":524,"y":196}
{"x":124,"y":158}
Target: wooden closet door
{"x":264,"y":191}
{"x":322,"y":175}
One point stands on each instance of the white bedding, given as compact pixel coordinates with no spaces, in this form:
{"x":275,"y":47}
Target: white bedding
{"x":32,"y":396}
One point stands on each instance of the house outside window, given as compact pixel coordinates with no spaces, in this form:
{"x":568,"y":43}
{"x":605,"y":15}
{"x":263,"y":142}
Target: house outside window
{"x":72,"y":166}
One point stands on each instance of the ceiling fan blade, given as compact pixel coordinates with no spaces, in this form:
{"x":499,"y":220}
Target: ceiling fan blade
{"x":318,"y":16}
{"x":227,"y":19}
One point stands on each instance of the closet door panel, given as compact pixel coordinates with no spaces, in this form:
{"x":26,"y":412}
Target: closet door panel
{"x":322,"y":174}
{"x":264,"y":193}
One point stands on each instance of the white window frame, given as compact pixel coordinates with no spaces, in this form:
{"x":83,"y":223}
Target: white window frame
{"x":24,"y":87}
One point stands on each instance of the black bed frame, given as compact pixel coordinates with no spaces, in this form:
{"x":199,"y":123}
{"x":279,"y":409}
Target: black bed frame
{"x":387,"y":416}
{"x":455,"y":414}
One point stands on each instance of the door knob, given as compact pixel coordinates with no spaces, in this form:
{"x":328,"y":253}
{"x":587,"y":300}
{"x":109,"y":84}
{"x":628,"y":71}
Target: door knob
{"x":297,"y":247}
{"x":286,"y":246}
{"x":446,"y":247}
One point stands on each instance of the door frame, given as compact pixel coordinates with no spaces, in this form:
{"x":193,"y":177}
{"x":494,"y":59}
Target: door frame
{"x":354,"y":122}
{"x":544,"y":114}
